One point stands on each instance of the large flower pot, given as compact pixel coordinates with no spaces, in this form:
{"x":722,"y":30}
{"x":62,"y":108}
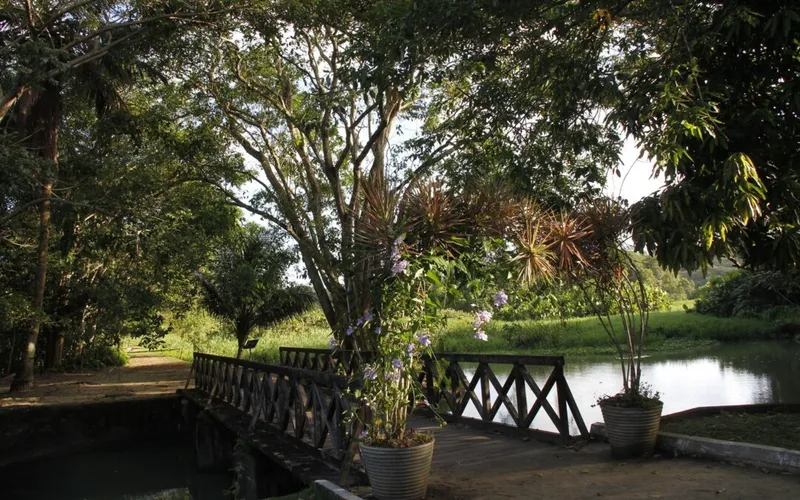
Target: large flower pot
{"x":398,"y":473}
{"x":632,"y":432}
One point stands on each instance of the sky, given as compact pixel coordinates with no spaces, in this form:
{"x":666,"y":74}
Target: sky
{"x":637,"y":180}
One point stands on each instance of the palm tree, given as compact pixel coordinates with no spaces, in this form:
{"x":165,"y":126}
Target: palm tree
{"x":246,"y":285}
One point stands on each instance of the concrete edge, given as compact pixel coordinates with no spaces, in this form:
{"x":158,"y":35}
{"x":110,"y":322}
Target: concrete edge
{"x":770,"y":457}
{"x":755,"y":454}
{"x":326,"y":490}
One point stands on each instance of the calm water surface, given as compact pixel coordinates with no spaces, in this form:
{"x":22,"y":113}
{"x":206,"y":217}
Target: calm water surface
{"x":732,"y":374}
{"x":154,"y":471}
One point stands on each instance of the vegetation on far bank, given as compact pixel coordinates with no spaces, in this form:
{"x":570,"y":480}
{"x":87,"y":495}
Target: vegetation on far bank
{"x":771,"y":429}
{"x":669,"y":331}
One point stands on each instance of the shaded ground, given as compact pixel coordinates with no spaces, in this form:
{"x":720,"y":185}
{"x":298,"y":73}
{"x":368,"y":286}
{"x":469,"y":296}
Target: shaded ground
{"x":771,"y":429}
{"x":472,"y":464}
{"x":145,"y":375}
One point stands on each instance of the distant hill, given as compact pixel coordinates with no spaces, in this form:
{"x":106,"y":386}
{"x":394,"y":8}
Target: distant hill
{"x":720,"y":268}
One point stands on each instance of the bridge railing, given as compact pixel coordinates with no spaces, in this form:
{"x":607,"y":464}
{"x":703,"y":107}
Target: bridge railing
{"x":307,"y":405}
{"x":453,"y":381}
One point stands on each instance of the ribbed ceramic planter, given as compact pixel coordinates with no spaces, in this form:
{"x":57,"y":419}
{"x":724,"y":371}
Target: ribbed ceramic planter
{"x":632,"y":432}
{"x":398,"y":473}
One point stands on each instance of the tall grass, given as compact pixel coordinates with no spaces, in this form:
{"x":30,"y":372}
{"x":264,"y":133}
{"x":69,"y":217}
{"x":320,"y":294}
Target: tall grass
{"x":669,"y":330}
{"x":200,"y":331}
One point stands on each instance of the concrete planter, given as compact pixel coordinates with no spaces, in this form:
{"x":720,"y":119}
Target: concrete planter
{"x":398,"y":473}
{"x":632,"y":432}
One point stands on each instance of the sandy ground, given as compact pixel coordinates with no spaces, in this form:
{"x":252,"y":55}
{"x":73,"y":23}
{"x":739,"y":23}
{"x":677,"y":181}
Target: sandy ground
{"x":145,"y":375}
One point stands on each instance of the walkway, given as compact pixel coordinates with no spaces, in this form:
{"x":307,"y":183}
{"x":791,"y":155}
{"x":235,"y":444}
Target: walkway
{"x":470,"y":464}
{"x":145,"y":375}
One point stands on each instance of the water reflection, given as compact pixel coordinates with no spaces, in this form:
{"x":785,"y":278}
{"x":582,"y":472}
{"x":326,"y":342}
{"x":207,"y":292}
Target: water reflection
{"x":723,"y":375}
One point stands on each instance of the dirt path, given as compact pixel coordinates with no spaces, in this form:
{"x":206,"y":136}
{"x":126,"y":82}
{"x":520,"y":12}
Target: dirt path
{"x":145,"y":375}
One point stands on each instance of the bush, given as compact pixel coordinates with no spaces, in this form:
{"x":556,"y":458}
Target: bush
{"x":554,"y":302}
{"x":769,"y":295}
{"x":96,"y":357}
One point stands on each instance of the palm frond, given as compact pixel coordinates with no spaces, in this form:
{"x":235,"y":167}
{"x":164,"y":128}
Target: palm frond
{"x":285,"y":303}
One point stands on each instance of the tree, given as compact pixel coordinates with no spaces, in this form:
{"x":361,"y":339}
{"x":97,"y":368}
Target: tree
{"x":710,"y":90}
{"x":130,"y":224}
{"x":48,"y":50}
{"x":312,"y":93}
{"x":246,"y":285}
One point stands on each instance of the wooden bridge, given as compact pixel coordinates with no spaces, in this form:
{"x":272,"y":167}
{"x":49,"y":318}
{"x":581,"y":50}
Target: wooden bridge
{"x":295,"y":412}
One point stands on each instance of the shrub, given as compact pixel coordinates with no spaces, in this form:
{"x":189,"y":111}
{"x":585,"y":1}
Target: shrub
{"x":96,"y":357}
{"x":770,"y":295}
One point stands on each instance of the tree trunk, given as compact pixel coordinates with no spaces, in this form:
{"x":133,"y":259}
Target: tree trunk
{"x":41,"y":128}
{"x":239,"y":351}
{"x":55,"y":350}
{"x":24,"y":378}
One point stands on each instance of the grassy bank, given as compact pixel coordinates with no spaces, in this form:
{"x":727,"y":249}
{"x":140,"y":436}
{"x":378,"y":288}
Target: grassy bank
{"x":669,"y":331}
{"x":771,"y":429}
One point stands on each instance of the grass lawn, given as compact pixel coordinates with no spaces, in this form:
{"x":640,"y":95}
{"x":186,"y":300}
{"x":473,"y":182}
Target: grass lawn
{"x":771,"y":429}
{"x":669,"y":331}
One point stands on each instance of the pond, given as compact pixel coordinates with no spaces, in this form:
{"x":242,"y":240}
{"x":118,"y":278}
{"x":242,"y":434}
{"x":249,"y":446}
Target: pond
{"x":152,"y":471}
{"x":728,"y":374}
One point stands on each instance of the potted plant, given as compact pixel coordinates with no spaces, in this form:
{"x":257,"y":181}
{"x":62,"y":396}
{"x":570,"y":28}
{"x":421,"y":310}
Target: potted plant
{"x":399,"y":336}
{"x":614,"y":286}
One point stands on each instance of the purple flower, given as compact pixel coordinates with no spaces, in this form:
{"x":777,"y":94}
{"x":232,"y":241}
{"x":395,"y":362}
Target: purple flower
{"x":370,"y":373}
{"x":366,"y":317}
{"x":424,"y":340}
{"x":363,"y":435}
{"x":332,"y":343}
{"x":500,"y":299}
{"x":395,"y":254}
{"x":397,"y":364}
{"x":359,"y":322}
{"x":481,"y":335}
{"x":377,"y":330}
{"x":393,"y":375}
{"x":399,"y":267}
{"x":398,"y":241}
{"x":484,"y":316}
{"x":411,"y":348}
{"x":349,"y":330}
{"x":477,"y":323}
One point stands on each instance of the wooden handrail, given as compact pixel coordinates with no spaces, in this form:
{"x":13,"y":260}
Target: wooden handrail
{"x":309,"y":406}
{"x":451,"y":394}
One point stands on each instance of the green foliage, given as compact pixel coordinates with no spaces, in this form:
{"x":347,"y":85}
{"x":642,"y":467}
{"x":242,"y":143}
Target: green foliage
{"x":96,"y":357}
{"x":550,"y":301}
{"x":197,"y":330}
{"x":710,"y":92}
{"x":772,"y":295}
{"x":669,"y":331}
{"x":246,"y":283}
